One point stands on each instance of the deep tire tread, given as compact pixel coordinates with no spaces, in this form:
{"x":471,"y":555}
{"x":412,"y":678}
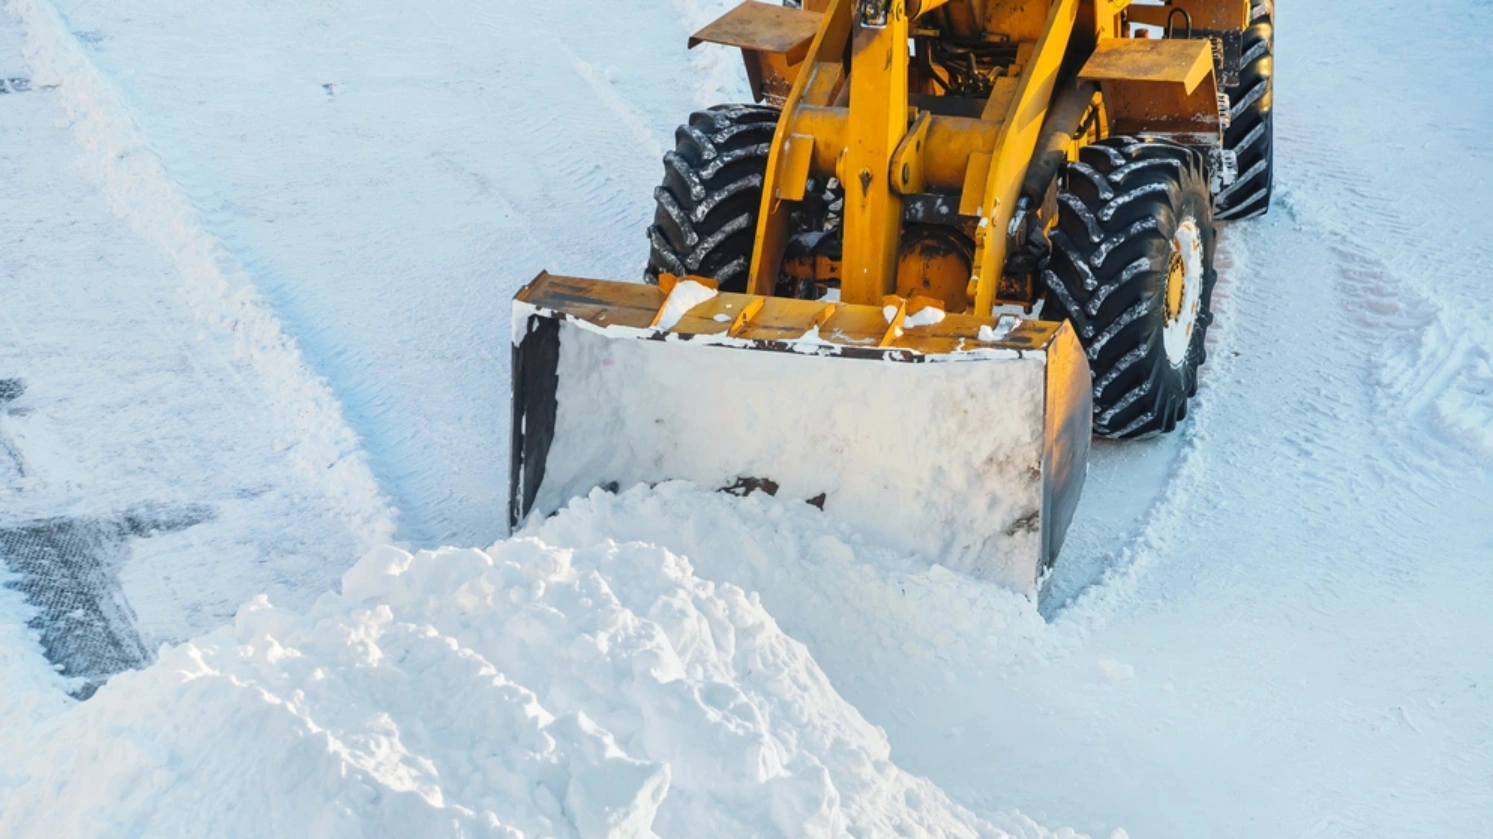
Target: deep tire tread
{"x":1119,"y":206}
{"x":711,"y":194}
{"x":1250,"y":134}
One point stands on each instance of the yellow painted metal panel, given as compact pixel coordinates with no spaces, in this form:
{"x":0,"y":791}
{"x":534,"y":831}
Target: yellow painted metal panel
{"x":1018,"y":20}
{"x":605,"y":303}
{"x":1161,"y":87}
{"x":765,"y":27}
{"x":951,"y":143}
{"x":1206,"y":15}
{"x":945,"y":153}
{"x":1013,"y":150}
{"x":1174,"y":61}
{"x":793,"y":162}
{"x":825,"y":80}
{"x":976,"y":177}
{"x":907,"y":160}
{"x":1002,"y":94}
{"x":772,"y":220}
{"x":873,"y":211}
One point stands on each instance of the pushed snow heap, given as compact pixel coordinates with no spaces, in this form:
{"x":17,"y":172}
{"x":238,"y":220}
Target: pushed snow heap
{"x":527,"y":690}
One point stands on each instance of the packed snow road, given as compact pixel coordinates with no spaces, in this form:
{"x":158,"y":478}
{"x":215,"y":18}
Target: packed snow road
{"x":135,"y":439}
{"x":1273,"y":623}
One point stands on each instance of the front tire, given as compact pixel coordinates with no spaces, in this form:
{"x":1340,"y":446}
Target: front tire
{"x":1132,"y":268}
{"x":706,"y":220}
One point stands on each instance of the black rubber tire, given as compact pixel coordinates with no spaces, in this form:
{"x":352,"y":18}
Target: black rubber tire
{"x":1251,"y":129}
{"x":711,"y":194}
{"x":1119,"y":207}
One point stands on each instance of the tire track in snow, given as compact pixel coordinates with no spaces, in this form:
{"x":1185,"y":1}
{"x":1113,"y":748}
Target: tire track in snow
{"x":1428,"y":361}
{"x":388,"y":219}
{"x":718,"y":71}
{"x":220,"y":291}
{"x":628,"y":117}
{"x":1403,"y":210}
{"x":1116,"y":586}
{"x":1431,"y":363}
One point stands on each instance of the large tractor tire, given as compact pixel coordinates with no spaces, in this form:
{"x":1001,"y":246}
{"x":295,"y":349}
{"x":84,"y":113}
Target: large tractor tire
{"x":1250,"y":135}
{"x":1132,"y":268}
{"x":706,"y":219}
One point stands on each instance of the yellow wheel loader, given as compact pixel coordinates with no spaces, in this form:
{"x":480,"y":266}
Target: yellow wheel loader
{"x":949,"y":241}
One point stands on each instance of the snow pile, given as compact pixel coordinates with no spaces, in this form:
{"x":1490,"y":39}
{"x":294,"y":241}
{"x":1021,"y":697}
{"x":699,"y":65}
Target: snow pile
{"x":861,"y":607}
{"x":526,"y":690}
{"x":1466,"y":408}
{"x":30,"y":689}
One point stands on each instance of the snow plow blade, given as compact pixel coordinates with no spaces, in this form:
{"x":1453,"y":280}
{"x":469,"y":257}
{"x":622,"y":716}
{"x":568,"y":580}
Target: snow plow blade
{"x":964,"y":441}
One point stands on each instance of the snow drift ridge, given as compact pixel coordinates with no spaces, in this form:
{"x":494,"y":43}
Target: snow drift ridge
{"x":117,"y":155}
{"x":526,"y":690}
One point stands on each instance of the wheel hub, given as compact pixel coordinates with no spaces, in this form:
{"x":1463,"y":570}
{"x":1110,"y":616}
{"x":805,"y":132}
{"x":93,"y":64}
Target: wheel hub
{"x":1176,"y":283}
{"x":1184,"y":289}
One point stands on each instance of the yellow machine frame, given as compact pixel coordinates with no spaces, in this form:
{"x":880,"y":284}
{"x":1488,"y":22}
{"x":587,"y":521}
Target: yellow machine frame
{"x":948,"y":199}
{"x":848,"y":113}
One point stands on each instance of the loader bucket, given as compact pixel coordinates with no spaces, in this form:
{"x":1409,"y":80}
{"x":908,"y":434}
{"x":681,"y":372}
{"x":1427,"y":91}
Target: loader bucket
{"x":964,"y":441}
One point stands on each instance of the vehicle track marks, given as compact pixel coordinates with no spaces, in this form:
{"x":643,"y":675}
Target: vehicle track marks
{"x":120,"y":158}
{"x":1117,"y":575}
{"x":1429,"y":365}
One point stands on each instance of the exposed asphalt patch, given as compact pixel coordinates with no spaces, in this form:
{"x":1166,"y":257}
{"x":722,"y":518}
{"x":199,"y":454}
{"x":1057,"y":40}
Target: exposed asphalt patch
{"x":69,"y":572}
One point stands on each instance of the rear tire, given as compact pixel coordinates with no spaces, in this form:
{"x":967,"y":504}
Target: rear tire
{"x":1132,"y":269}
{"x":1250,"y":135}
{"x":706,"y":221}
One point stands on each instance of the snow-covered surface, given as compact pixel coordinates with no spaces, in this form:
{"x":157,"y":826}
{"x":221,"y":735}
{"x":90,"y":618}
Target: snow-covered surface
{"x":1274,"y":623}
{"x":163,"y":418}
{"x":1000,"y":330}
{"x":388,"y":175}
{"x":529,"y":690}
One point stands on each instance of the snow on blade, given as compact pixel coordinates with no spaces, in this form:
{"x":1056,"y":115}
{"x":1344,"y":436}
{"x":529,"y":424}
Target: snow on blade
{"x":686,"y":295}
{"x":528,"y":690}
{"x":1000,"y":331}
{"x":964,"y":491}
{"x":926,"y":316}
